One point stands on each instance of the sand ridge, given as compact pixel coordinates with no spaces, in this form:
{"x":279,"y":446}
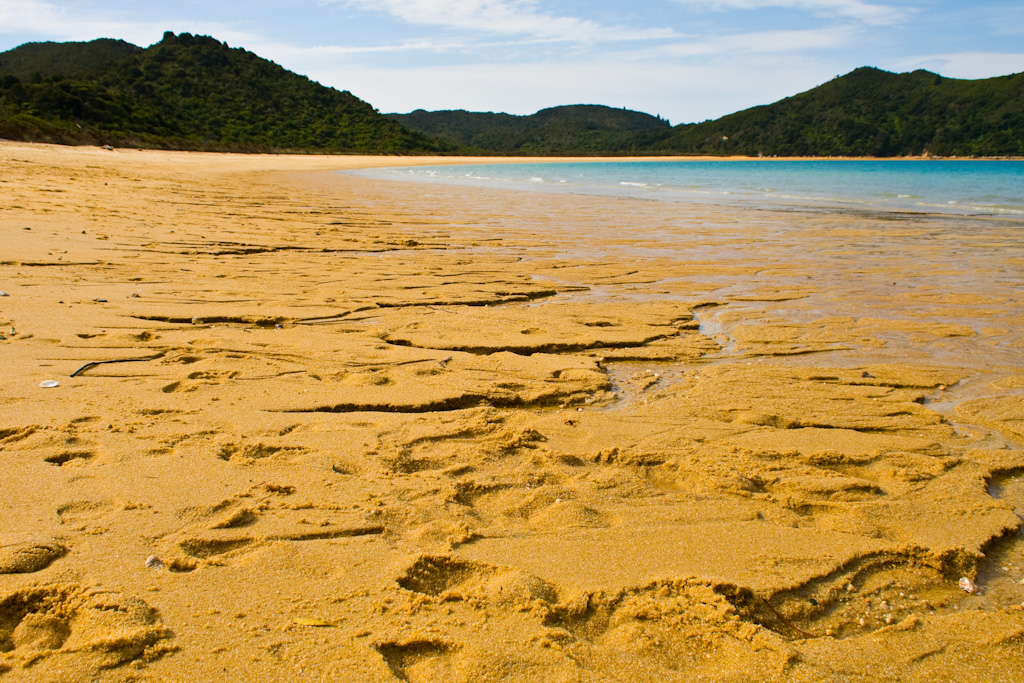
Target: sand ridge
{"x":376,"y":431}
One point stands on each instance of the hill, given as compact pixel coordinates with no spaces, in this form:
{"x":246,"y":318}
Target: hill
{"x":870,"y":112}
{"x":194,"y":92}
{"x":569,"y":130}
{"x":70,"y":60}
{"x":185,"y":92}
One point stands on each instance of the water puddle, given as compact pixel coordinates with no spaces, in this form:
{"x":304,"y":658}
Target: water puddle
{"x":1000,"y":578}
{"x":710,"y":325}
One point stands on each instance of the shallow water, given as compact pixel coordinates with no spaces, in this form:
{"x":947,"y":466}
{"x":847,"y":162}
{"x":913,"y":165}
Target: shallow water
{"x":953,"y":187}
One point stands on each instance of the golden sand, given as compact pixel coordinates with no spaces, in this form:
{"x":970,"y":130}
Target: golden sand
{"x":325,"y":428}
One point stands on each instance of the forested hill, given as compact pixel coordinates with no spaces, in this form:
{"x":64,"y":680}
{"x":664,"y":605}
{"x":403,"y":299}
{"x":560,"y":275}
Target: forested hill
{"x":68,"y":60}
{"x":185,"y":92}
{"x":568,"y":130}
{"x":194,"y":92}
{"x":870,"y":112}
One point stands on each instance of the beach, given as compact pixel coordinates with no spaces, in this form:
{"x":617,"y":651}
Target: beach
{"x":311,"y":426}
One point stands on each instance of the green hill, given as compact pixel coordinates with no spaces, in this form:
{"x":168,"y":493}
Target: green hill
{"x":194,"y":92}
{"x":569,"y":130}
{"x":69,"y":60}
{"x":185,"y":92}
{"x":870,"y":112}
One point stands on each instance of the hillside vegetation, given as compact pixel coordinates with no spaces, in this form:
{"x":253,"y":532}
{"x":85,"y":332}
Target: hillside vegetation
{"x":194,"y":92}
{"x":569,"y":130}
{"x":68,"y":60}
{"x":185,"y":92}
{"x":870,"y":112}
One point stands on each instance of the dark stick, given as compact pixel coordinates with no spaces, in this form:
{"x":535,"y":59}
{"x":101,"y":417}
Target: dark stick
{"x":117,"y":360}
{"x":786,"y":621}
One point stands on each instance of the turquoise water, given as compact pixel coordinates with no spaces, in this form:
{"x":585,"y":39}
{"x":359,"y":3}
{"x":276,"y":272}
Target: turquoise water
{"x":956,"y":187}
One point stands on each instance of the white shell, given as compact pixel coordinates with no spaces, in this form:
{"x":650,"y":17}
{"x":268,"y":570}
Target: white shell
{"x":49,"y":383}
{"x":154,"y":562}
{"x":966,"y":585}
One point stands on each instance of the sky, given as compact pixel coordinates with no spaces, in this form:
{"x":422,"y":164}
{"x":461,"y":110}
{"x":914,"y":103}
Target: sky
{"x":685,"y":60}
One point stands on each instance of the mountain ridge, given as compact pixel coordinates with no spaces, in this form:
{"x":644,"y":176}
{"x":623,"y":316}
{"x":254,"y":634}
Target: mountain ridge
{"x":194,"y":92}
{"x":189,"y":92}
{"x":567,"y":129}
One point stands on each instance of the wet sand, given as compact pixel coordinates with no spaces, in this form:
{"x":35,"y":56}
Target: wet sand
{"x":330,"y":428}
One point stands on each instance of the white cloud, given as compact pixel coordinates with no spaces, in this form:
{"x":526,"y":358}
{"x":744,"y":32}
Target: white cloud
{"x":419,"y":45}
{"x":760,"y":43}
{"x":27,"y":16}
{"x":681,"y":92}
{"x":37,"y":19}
{"x":969,"y":65}
{"x":504,"y":17}
{"x":866,"y":12}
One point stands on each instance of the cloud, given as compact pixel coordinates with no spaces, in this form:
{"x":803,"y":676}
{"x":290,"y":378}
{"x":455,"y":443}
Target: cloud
{"x":419,"y":45}
{"x":504,"y":17}
{"x":969,"y":65}
{"x":697,"y":91}
{"x":758,"y":43}
{"x":865,"y":12}
{"x":34,"y":19}
{"x":27,"y":16}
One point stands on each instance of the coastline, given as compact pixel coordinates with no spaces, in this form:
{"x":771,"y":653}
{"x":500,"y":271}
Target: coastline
{"x":376,"y":431}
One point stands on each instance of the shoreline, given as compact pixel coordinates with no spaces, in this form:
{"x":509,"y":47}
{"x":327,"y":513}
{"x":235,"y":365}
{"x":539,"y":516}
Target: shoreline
{"x":373,"y":161}
{"x":345,"y":430}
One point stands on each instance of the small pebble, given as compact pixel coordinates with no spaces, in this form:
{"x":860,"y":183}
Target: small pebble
{"x":850,"y":588}
{"x":966,"y":585}
{"x":49,"y":383}
{"x":154,"y":562}
{"x":3,"y":293}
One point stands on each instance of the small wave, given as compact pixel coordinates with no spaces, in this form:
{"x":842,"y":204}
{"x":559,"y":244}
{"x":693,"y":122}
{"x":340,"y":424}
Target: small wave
{"x":535,"y":179}
{"x":628,"y":183}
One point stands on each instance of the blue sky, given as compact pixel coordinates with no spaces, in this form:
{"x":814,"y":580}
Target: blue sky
{"x":687,"y":60}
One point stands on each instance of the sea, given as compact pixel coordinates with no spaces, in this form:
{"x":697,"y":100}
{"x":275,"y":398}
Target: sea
{"x":981,"y":188}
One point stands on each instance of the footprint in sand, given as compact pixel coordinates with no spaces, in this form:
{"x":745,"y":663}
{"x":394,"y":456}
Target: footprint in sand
{"x":449,"y":578}
{"x":66,"y":633}
{"x":416,"y":660}
{"x":29,"y":555}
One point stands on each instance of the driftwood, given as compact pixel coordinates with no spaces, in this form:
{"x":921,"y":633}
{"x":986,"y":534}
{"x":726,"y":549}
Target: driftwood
{"x":94,"y":363}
